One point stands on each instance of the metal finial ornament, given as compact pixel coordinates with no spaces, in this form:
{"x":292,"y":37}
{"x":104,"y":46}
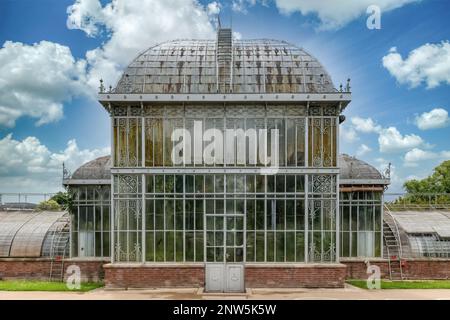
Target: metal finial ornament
{"x":387,"y":171}
{"x":102,"y":87}
{"x":65,"y":171}
{"x":340,"y":88}
{"x":348,"y":85}
{"x":110,"y":89}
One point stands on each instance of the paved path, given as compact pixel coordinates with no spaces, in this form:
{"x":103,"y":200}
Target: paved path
{"x":347,"y":293}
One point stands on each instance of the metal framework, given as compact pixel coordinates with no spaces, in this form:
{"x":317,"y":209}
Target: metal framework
{"x":142,"y":159}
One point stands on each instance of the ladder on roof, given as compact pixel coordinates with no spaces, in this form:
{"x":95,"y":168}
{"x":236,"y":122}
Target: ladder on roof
{"x":59,"y":250}
{"x":224,"y":60}
{"x":392,"y":246}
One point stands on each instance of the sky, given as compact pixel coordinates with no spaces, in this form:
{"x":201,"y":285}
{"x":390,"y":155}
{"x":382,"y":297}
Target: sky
{"x":54,"y":52}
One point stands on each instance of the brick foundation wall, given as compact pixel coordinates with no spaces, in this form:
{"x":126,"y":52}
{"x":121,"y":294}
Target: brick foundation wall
{"x":39,"y":268}
{"x":153,"y":276}
{"x":192,"y":275}
{"x":295,"y":276}
{"x":412,"y":268}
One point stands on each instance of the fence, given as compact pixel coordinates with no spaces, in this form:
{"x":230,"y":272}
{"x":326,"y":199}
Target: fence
{"x":22,"y":200}
{"x":417,"y":201}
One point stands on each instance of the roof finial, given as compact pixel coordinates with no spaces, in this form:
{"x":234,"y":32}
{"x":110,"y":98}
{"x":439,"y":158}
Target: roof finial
{"x":347,"y":88}
{"x":102,"y":87}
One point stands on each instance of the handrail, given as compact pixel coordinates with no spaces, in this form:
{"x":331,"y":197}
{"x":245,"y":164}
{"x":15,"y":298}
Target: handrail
{"x":400,"y":250}
{"x":388,"y":256}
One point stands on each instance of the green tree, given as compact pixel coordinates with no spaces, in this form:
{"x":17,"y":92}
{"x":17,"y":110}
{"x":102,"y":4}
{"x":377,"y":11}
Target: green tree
{"x":438,"y":182}
{"x":49,"y":205}
{"x":63,"y":199}
{"x":431,"y":191}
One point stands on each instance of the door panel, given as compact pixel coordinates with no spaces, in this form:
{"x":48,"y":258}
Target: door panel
{"x":234,"y":278}
{"x":214,"y":274}
{"x":86,"y":244}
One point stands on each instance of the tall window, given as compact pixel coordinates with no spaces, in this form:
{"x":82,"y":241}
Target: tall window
{"x":90,"y":214}
{"x":127,"y":142}
{"x":361,"y":221}
{"x":322,"y":142}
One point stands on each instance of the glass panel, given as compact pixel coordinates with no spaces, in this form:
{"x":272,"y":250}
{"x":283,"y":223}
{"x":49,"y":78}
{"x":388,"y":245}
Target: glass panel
{"x":159,"y":242}
{"x":189,"y":241}
{"x":170,"y":246}
{"x":260,"y":246}
{"x":300,"y":247}
{"x":159,"y":214}
{"x":300,"y":129}
{"x":250,"y":250}
{"x":280,"y":215}
{"x":149,"y":246}
{"x":199,"y":184}
{"x":290,"y":183}
{"x":291,"y":137}
{"x":280,"y":246}
{"x":250,"y":183}
{"x":169,"y":127}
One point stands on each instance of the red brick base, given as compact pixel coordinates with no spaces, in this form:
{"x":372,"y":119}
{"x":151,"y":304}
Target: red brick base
{"x":121,"y":275}
{"x":295,"y":276}
{"x":192,"y":275}
{"x":256,"y":276}
{"x":412,"y":268}
{"x":39,"y":269}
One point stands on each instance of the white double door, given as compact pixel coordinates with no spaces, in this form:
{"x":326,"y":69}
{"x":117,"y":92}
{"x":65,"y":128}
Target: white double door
{"x":225,"y":252}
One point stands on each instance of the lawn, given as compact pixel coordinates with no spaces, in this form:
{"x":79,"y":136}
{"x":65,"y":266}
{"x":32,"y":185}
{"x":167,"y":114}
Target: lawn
{"x":31,"y":285}
{"x":405,"y":284}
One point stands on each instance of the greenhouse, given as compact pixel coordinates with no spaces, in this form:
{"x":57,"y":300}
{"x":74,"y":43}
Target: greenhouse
{"x":225,"y":163}
{"x":34,"y":234}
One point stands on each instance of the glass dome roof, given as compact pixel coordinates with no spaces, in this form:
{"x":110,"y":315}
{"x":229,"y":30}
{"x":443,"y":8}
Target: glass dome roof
{"x":249,"y":66}
{"x":353,"y":168}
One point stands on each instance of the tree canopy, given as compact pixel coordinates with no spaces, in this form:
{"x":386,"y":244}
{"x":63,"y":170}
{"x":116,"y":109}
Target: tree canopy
{"x":437,"y":182}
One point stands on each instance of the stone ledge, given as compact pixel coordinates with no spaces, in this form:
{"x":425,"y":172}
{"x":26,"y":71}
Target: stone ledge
{"x":119,"y":265}
{"x":295,"y":265}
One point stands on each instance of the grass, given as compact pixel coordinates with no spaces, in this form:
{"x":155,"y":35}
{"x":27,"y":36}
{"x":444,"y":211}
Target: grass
{"x":405,"y":284}
{"x":34,"y":285}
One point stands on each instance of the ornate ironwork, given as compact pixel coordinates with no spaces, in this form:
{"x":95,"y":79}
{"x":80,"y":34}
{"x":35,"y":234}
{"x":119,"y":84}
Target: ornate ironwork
{"x":322,"y":184}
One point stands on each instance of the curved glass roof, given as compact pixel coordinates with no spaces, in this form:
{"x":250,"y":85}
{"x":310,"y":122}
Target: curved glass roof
{"x":96,"y":169}
{"x":355,"y":169}
{"x":22,"y":234}
{"x":251,"y":66}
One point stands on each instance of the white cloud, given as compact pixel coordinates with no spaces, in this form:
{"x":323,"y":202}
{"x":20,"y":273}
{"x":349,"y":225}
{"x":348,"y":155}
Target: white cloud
{"x":29,"y":166}
{"x":237,"y":35}
{"x":214,"y":8}
{"x":429,"y":63}
{"x":416,"y":155}
{"x":85,"y":15}
{"x":436,"y":118}
{"x":348,"y":134}
{"x":241,"y":5}
{"x":35,"y":81}
{"x":365,"y":125}
{"x":362,"y":150}
{"x":336,"y":14}
{"x":391,"y":141}
{"x":132,"y":26}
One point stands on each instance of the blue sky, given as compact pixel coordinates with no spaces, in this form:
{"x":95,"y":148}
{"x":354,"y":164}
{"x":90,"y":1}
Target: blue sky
{"x":401,"y":97}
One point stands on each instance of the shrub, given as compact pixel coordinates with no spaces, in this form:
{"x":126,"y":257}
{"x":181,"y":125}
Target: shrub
{"x":49,"y":205}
